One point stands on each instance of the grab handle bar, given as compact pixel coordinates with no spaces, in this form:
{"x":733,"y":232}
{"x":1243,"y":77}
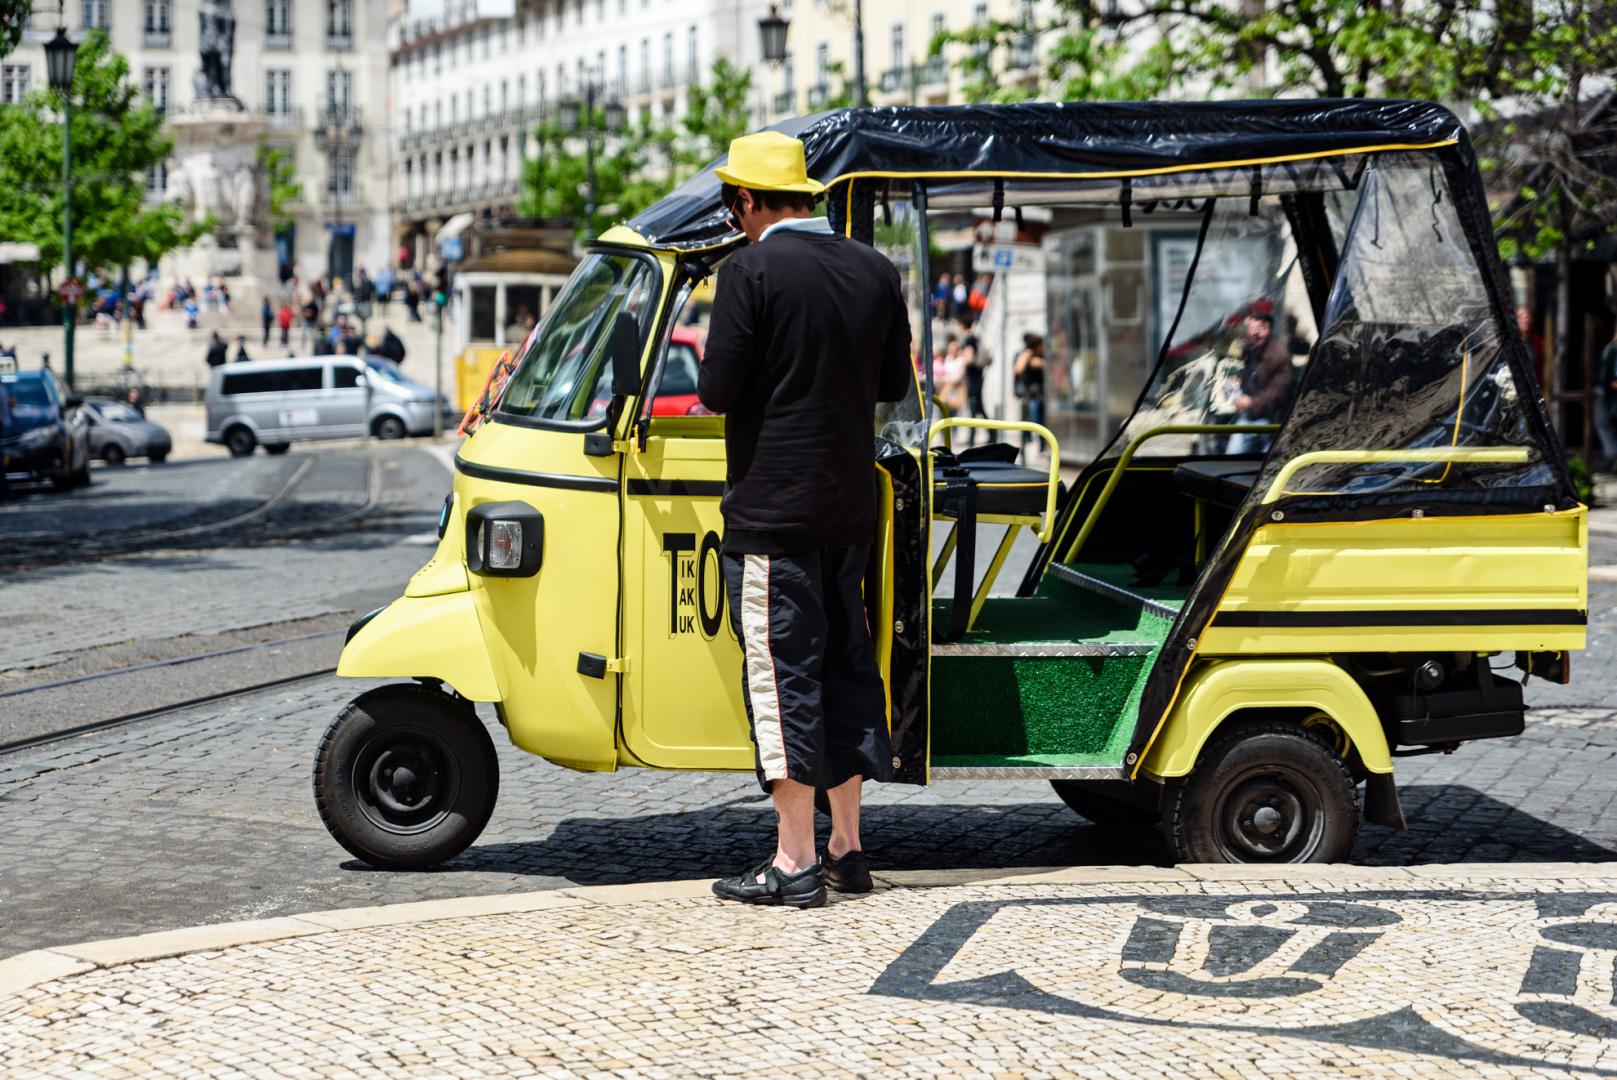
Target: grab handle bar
{"x":1446,"y":455}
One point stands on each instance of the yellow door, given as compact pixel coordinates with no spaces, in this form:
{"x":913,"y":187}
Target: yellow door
{"x":682,"y":707}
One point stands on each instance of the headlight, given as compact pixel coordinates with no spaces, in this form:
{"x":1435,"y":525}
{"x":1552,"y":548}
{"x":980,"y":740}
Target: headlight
{"x":36,"y":438}
{"x":504,"y":539}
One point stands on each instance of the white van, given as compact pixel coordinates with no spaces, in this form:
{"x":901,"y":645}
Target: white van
{"x":270,"y":403}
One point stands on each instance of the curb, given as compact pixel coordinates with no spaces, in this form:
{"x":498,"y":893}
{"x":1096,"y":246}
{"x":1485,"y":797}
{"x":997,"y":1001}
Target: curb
{"x":26,"y":970}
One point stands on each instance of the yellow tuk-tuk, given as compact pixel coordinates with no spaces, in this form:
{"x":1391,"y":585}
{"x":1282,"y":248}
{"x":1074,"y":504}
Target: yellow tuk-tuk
{"x":1335,"y":529}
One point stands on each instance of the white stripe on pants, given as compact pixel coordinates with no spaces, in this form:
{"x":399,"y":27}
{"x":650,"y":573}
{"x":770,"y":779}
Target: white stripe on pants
{"x":761,"y":688}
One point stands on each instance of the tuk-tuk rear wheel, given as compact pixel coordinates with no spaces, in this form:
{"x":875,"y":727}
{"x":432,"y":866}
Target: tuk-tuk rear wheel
{"x":1265,"y":792}
{"x":406,"y":777}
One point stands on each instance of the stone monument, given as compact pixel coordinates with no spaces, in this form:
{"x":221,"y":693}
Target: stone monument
{"x":217,"y":170}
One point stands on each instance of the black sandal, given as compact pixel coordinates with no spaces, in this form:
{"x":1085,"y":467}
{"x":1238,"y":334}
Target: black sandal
{"x":804,"y":889}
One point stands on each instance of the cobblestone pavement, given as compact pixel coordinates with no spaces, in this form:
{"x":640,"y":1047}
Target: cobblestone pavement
{"x":1388,"y":973}
{"x":111,"y":563}
{"x":207,"y":816}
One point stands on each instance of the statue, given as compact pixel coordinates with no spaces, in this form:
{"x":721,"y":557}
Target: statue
{"x":245,"y":195}
{"x":216,"y":36}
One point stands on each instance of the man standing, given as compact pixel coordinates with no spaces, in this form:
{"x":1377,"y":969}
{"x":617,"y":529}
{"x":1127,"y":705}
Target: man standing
{"x":809,"y":331}
{"x":218,"y":351}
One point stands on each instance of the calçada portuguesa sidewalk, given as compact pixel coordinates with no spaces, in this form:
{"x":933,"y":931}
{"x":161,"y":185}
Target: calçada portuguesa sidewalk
{"x":1464,"y":970}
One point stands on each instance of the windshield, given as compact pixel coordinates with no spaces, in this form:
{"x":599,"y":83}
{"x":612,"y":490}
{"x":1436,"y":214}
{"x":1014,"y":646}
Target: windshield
{"x":117,"y":412}
{"x":386,"y":368}
{"x":26,"y":391}
{"x":563,"y":374}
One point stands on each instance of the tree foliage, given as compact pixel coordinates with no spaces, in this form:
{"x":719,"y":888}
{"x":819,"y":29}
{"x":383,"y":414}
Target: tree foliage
{"x":280,"y":177}
{"x":13,"y":21}
{"x":1529,"y":68}
{"x":116,"y":138}
{"x":640,"y":164}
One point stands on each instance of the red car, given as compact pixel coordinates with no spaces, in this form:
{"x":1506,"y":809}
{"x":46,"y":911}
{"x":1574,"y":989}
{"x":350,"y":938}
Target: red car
{"x":676,"y":396}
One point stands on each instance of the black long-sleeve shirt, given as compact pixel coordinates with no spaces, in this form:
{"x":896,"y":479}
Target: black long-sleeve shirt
{"x":809,"y":331}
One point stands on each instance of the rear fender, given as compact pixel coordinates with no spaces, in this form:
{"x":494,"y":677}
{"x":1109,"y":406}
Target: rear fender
{"x":1220,"y":689}
{"x":423,"y":637}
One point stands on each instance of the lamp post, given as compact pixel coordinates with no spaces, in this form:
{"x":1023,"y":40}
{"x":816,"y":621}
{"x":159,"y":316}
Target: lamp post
{"x":60,"y":54}
{"x":772,"y":33}
{"x":577,"y":117}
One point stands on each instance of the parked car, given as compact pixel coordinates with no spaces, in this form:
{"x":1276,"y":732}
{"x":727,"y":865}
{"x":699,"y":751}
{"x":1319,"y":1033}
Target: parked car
{"x":48,"y":436}
{"x":119,"y":432}
{"x":274,"y":402}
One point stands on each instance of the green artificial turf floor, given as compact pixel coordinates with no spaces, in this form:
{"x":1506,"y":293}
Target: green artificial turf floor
{"x":1042,"y":710}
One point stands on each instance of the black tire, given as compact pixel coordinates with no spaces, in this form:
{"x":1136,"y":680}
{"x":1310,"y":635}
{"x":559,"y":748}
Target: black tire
{"x":1090,"y":800}
{"x":81,"y":476}
{"x":64,"y":478}
{"x":1264,"y":792}
{"x":277,"y":447}
{"x":438,"y":809}
{"x":390,"y":427}
{"x":157,"y":459}
{"x":240,"y":441}
{"x":113,"y":455}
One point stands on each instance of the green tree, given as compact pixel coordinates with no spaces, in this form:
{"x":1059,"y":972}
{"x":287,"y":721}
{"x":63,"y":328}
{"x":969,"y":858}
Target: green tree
{"x":638,"y":165}
{"x":280,"y":175}
{"x":13,"y":21}
{"x":116,"y":139}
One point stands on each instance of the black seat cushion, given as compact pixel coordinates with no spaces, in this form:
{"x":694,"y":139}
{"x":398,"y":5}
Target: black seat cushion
{"x":1224,"y":483}
{"x":1002,"y":488}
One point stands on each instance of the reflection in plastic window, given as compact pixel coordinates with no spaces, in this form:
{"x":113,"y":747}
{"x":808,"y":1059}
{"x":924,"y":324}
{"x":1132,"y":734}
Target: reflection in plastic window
{"x":1412,"y":355}
{"x":898,"y":237}
{"x":1245,"y":327}
{"x":564,"y":374}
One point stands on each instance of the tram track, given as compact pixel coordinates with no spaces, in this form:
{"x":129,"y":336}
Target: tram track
{"x":17,"y":697}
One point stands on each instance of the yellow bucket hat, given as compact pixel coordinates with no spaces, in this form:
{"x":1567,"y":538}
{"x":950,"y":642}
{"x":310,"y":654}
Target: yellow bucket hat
{"x":768,"y":161}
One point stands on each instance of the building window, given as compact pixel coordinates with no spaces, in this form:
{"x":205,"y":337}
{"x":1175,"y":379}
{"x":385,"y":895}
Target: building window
{"x":623,"y":70}
{"x":487,"y":34}
{"x":340,"y":180}
{"x":157,"y":23}
{"x":505,"y":97}
{"x":339,"y":24}
{"x":645,"y":65}
{"x":13,"y":83}
{"x":278,"y":24}
{"x":505,"y":36}
{"x":668,"y":59}
{"x":95,"y":14}
{"x":157,"y":180}
{"x":154,"y":85}
{"x":278,"y":95}
{"x":339,"y":93}
{"x":600,"y":10}
{"x":693,"y":60}
{"x":898,"y":47}
{"x":822,"y":63}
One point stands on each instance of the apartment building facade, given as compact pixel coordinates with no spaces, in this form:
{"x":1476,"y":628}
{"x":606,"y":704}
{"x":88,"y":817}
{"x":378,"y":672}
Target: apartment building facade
{"x":471,"y":79}
{"x":315,"y":71}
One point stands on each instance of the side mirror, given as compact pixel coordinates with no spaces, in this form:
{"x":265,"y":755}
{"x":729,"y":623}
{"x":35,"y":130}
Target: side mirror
{"x":623,"y":347}
{"x":361,"y":380}
{"x":73,"y":401}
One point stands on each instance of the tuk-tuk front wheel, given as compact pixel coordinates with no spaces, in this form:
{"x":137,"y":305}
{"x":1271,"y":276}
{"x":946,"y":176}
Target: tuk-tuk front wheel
{"x":1265,"y":792}
{"x":406,"y":777}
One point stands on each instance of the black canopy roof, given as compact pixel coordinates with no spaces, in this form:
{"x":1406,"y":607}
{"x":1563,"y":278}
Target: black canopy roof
{"x":1059,"y":139}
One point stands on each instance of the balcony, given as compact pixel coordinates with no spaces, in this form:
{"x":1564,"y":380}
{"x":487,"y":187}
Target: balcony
{"x":933,"y":71}
{"x":784,"y":101}
{"x":337,"y":122}
{"x":818,"y":95}
{"x":893,"y":80}
{"x":157,"y":37}
{"x":285,"y":118}
{"x":278,"y":39}
{"x":339,"y":40}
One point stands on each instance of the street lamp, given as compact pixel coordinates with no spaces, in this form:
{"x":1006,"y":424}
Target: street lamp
{"x":772,"y":29}
{"x":577,"y":117}
{"x":772,"y":34}
{"x":60,"y":54}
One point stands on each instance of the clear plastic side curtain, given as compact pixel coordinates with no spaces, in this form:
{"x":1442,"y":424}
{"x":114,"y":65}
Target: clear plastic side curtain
{"x":1416,"y":354}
